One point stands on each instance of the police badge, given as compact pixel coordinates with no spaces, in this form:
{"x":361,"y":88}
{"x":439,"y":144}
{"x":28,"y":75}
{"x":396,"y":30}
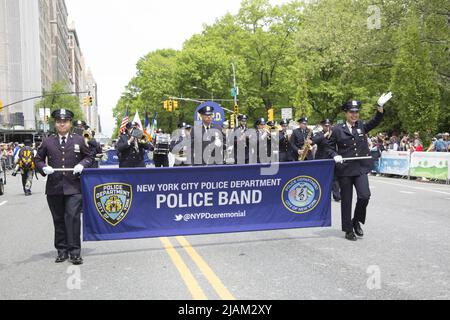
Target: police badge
{"x":113,"y":201}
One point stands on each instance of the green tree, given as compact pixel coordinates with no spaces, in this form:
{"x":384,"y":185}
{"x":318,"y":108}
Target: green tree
{"x":57,"y":98}
{"x":414,"y":81}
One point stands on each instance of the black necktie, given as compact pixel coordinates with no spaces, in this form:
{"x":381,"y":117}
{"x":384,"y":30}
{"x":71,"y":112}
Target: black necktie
{"x":63,"y":142}
{"x":354,"y":130}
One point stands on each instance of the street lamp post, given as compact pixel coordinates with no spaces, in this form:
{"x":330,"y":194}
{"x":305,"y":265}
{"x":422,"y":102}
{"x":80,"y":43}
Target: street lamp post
{"x":211,"y":93}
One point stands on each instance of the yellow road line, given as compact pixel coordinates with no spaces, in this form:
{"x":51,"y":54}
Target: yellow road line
{"x":221,"y":290}
{"x":188,"y":278}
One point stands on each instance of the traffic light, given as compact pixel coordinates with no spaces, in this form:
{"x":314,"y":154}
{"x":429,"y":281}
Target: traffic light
{"x":236,"y":110}
{"x":1,"y":105}
{"x":170,"y":106}
{"x":232,"y":121}
{"x":166,"y":105}
{"x":175,"y":105}
{"x":91,"y":100}
{"x":270,"y":115}
{"x":46,"y":119}
{"x":86,"y":101}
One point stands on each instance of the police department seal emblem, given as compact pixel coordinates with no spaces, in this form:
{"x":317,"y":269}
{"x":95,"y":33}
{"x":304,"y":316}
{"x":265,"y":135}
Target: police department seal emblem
{"x":301,"y":194}
{"x":113,"y":201}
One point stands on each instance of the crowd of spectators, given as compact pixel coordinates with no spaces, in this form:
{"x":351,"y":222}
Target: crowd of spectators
{"x":406,"y":142}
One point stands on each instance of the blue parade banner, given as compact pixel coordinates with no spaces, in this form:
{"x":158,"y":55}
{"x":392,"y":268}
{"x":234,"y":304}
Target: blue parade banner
{"x":157,"y":202}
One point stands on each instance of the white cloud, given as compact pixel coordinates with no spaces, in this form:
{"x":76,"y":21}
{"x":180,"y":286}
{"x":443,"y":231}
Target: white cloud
{"x":114,"y":34}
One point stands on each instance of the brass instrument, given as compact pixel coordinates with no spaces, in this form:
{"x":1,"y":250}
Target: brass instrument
{"x":87,"y":135}
{"x":306,"y":147}
{"x":268,"y":132}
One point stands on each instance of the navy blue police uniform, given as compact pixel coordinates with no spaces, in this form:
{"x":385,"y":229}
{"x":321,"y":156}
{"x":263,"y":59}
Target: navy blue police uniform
{"x":203,"y":142}
{"x":324,"y":152}
{"x":63,"y":189}
{"x":241,"y":145}
{"x":131,"y":155}
{"x":298,"y":139}
{"x":263,"y":147}
{"x":284,"y":146}
{"x":349,"y":143}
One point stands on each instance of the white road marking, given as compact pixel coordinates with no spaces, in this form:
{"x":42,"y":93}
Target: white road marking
{"x":2,"y":203}
{"x":407,"y":192}
{"x":417,"y":188}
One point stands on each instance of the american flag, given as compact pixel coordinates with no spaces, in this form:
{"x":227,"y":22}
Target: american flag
{"x":124,"y":123}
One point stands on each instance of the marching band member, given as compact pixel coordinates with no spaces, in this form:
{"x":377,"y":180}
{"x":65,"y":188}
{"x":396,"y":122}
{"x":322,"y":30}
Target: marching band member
{"x":350,"y":140}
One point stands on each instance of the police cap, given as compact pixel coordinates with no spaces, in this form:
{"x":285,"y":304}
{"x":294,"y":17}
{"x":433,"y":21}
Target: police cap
{"x":242,"y":117}
{"x":352,"y":106}
{"x":303,"y":120}
{"x":206,"y":111}
{"x":260,"y":121}
{"x":131,"y":125}
{"x":62,"y":114}
{"x":284,"y":122}
{"x":326,"y":122}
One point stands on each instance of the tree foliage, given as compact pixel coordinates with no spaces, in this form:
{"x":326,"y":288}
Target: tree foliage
{"x":312,"y":56}
{"x":57,"y":98}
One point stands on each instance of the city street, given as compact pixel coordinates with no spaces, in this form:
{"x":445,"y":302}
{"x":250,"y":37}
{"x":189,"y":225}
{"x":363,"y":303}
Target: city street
{"x":405,"y":254}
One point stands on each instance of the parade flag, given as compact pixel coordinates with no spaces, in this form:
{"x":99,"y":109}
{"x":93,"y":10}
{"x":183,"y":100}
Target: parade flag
{"x":154,"y":126}
{"x":143,"y":203}
{"x":137,"y":120}
{"x":147,"y":129}
{"x":124,"y":122}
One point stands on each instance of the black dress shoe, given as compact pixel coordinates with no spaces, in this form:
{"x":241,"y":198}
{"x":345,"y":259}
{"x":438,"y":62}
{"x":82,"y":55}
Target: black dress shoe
{"x":358,"y":230}
{"x":350,"y":236}
{"x":61,"y":257}
{"x":76,"y":260}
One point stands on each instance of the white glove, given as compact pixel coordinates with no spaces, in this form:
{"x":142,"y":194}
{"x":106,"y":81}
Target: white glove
{"x":48,"y":171}
{"x":218,"y":141}
{"x":78,"y":169}
{"x":338,"y":159}
{"x":384,"y":99}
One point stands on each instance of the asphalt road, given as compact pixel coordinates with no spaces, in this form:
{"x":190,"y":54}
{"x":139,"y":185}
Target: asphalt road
{"x":405,"y":254}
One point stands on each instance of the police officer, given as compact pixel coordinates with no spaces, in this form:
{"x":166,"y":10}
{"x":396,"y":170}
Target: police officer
{"x":91,"y":143}
{"x":96,"y":149}
{"x":79,"y":127}
{"x":64,"y":150}
{"x":322,"y":140}
{"x":263,"y":142}
{"x":241,"y":140}
{"x":285,"y":147}
{"x":299,"y":138}
{"x":131,"y":148}
{"x":206,"y":140}
{"x":350,"y":140}
{"x":179,"y":144}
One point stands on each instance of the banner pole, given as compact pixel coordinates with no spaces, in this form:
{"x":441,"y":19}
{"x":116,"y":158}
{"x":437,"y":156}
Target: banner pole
{"x":357,"y":158}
